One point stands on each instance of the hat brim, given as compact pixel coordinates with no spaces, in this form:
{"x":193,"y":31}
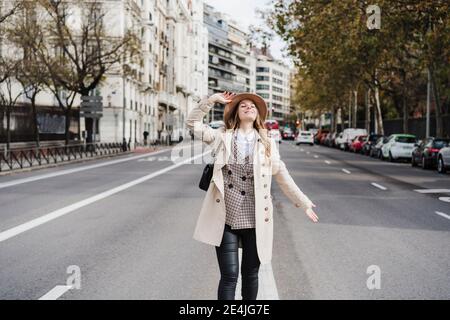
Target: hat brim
{"x":259,"y":103}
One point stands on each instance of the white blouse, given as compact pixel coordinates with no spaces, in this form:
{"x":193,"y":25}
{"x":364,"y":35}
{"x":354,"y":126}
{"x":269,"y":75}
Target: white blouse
{"x":246,"y":142}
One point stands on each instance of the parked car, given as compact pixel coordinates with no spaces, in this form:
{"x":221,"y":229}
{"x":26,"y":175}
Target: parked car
{"x":271,"y":124}
{"x":368,"y":142}
{"x":398,"y":146}
{"x":375,"y":148}
{"x":333,"y":139}
{"x":305,"y":137}
{"x":318,"y":136}
{"x":356,"y":144}
{"x":326,"y":139}
{"x":323,"y":138}
{"x":339,"y":139}
{"x":313,"y":131}
{"x":426,"y":152}
{"x":275,"y":134}
{"x":444,"y":160}
{"x":348,"y":135}
{"x":288,"y":134}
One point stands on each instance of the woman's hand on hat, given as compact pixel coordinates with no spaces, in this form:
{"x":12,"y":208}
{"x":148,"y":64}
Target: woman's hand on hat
{"x":223,"y":98}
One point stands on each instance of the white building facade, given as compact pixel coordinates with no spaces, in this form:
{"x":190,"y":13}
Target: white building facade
{"x":273,"y":84}
{"x":155,"y":93}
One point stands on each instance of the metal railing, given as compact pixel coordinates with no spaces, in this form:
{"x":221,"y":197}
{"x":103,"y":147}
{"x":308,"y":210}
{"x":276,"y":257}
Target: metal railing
{"x":33,"y":157}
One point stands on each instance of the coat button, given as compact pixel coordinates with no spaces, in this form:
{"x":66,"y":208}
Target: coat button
{"x":230,"y":186}
{"x":217,"y":200}
{"x":266,"y":219}
{"x":229,"y":171}
{"x":266,"y":208}
{"x":243,"y":178}
{"x":263,"y":175}
{"x":243,"y":193}
{"x":265,"y":185}
{"x":265,"y":197}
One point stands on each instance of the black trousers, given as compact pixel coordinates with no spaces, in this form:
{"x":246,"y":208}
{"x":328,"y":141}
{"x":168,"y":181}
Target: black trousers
{"x":228,"y":258}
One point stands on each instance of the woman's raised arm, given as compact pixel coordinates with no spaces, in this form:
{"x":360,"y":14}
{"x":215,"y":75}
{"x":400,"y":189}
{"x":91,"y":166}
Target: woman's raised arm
{"x":194,"y":120}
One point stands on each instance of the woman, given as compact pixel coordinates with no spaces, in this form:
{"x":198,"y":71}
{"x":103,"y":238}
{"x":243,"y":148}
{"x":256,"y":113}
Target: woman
{"x":237,"y":209}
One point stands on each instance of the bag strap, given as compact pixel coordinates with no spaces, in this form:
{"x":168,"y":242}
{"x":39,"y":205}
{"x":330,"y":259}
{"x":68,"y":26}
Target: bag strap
{"x":215,"y":149}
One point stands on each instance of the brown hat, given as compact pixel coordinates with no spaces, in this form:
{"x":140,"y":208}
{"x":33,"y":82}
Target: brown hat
{"x":257,"y":100}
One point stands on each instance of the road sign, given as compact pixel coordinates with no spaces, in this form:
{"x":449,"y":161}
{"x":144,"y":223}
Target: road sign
{"x":91,"y":109}
{"x":91,"y":115}
{"x":91,"y":106}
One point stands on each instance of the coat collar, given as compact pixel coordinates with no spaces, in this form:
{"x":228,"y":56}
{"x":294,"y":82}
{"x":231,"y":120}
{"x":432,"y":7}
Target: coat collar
{"x":227,"y":136}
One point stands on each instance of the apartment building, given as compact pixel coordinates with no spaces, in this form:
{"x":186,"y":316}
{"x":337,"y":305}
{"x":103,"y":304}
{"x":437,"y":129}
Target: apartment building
{"x":231,"y":64}
{"x":273,"y":84}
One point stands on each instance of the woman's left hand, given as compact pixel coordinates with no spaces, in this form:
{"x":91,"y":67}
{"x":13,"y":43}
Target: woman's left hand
{"x":311,"y":214}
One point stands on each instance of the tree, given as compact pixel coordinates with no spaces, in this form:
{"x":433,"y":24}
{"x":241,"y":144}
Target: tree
{"x":331,"y":39}
{"x":8,"y":66}
{"x":89,"y":51}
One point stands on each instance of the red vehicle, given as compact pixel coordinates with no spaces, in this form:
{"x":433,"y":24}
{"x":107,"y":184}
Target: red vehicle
{"x":271,"y":124}
{"x":357,"y":143}
{"x":321,"y":133}
{"x":323,"y":137}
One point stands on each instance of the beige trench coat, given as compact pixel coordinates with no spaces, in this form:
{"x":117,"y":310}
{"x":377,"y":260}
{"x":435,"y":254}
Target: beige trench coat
{"x":211,"y":220}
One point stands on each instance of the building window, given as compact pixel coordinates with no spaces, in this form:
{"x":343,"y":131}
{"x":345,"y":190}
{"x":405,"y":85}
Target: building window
{"x":278,"y":73}
{"x":263,"y":95}
{"x":277,"y":81}
{"x":262,"y":78}
{"x":262,"y":87}
{"x":277,"y":98}
{"x":276,"y":89}
{"x":262,"y":69}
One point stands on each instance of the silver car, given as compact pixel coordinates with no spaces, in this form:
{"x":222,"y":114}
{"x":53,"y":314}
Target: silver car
{"x":443,"y":160}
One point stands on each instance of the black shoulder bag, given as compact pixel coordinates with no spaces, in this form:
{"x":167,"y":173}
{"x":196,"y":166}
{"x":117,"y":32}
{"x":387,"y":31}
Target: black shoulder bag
{"x":205,"y":180}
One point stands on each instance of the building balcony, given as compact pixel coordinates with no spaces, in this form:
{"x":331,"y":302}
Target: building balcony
{"x":167,"y":99}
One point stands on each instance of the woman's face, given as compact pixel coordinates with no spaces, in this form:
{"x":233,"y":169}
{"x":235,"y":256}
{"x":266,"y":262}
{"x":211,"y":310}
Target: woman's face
{"x":247,"y":110}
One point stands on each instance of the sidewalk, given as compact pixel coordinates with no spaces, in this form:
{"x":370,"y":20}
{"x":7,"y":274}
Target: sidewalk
{"x":137,"y":150}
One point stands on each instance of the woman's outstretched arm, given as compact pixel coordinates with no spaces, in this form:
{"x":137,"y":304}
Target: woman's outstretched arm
{"x":288,"y":185}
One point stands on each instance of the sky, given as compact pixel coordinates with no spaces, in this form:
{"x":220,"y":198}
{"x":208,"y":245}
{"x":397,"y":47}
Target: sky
{"x":243,"y":12}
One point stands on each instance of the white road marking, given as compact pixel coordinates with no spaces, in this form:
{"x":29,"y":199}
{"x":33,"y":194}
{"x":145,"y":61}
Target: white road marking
{"x":267,"y":288}
{"x":327,"y":162}
{"x":157,"y":159}
{"x":55,"y":293}
{"x":432,"y":190}
{"x":302,"y":149}
{"x":5,"y":235}
{"x":69,"y":171}
{"x":443,"y":214}
{"x":445,"y":199}
{"x":316,"y":156}
{"x":378,"y":186}
{"x":346,"y":171}
{"x":307,"y":152}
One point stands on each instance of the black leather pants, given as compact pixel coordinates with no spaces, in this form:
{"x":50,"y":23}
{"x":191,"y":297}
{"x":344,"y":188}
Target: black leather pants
{"x":228,"y":258}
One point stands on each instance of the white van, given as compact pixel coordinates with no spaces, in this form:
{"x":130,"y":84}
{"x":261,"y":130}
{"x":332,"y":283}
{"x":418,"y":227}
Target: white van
{"x":348,"y":135}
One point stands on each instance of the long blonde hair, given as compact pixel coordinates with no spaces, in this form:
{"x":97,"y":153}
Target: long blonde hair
{"x":232,"y":121}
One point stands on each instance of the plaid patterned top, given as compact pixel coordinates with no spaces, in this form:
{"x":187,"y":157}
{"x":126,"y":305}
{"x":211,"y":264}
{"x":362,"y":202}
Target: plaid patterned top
{"x":239,"y":189}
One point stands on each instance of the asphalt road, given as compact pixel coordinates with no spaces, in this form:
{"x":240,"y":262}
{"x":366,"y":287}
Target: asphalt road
{"x":126,"y":225}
